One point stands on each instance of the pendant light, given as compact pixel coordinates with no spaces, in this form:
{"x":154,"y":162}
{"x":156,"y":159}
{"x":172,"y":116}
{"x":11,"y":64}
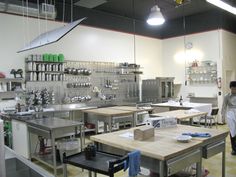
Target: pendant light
{"x":155,"y":17}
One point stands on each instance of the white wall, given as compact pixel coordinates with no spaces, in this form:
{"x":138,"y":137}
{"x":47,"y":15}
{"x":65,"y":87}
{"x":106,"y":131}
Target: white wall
{"x":175,"y":57}
{"x":228,"y":58}
{"x":157,"y":57}
{"x":82,"y":43}
{"x":149,"y":55}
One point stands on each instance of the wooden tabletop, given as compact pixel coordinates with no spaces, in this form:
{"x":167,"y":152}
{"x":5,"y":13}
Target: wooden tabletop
{"x":108,"y":111}
{"x":180,"y":114}
{"x":164,"y":145}
{"x":132,"y":108}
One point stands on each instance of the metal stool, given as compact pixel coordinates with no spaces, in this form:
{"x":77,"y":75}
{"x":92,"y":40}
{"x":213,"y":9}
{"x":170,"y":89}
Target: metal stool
{"x":211,"y":118}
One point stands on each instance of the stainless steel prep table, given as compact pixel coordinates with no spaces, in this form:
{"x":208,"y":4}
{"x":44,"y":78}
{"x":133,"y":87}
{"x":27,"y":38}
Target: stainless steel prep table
{"x":109,"y":113}
{"x":71,"y":108}
{"x":134,"y":109}
{"x":53,"y":128}
{"x":162,"y":153}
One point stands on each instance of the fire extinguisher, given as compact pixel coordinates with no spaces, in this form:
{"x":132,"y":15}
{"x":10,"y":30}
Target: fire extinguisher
{"x":219,"y":82}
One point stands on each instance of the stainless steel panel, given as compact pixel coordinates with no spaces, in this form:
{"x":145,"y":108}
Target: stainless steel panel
{"x":2,"y":153}
{"x":62,"y":132}
{"x":17,"y":165}
{"x":174,"y":165}
{"x":157,"y":90}
{"x":39,"y":131}
{"x":213,"y":149}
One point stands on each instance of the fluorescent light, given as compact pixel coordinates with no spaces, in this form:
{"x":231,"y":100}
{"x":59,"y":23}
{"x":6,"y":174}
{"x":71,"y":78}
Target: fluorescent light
{"x":155,"y":17}
{"x":223,"y":5}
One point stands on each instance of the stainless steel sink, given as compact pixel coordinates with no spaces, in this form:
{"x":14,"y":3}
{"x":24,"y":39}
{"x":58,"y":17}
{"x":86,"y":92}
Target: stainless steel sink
{"x":16,"y":168}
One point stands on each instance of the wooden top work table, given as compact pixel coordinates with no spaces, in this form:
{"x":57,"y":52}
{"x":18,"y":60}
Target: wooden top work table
{"x":108,"y":114}
{"x":181,"y":115}
{"x":162,"y":153}
{"x":132,"y":108}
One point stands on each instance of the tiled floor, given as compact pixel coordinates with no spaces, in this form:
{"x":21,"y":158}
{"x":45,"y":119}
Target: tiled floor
{"x":213,"y":165}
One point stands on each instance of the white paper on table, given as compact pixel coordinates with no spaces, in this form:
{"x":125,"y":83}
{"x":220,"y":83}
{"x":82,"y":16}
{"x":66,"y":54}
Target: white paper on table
{"x":127,"y":135}
{"x":191,"y":111}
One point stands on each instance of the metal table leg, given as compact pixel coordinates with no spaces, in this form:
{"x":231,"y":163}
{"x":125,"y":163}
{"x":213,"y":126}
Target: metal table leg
{"x":110,"y":124}
{"x":90,"y":173}
{"x":191,"y":121}
{"x":82,"y":139}
{"x":223,"y":163}
{"x":54,"y":156}
{"x":29,"y":140}
{"x":199,"y":168}
{"x":161,"y":169}
{"x":96,"y":126}
{"x":64,"y":170}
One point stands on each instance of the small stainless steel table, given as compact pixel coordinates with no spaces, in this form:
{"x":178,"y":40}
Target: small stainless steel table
{"x":53,"y":128}
{"x":108,"y":114}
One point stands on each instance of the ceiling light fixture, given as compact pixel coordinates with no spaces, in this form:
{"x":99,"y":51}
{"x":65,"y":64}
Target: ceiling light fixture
{"x":223,"y":5}
{"x":155,"y":17}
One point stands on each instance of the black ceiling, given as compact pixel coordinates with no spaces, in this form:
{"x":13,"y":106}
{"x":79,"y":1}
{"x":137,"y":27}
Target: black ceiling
{"x":197,"y":15}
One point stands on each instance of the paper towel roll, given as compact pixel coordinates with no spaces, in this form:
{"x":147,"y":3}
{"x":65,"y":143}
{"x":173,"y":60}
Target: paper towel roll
{"x":2,"y":154}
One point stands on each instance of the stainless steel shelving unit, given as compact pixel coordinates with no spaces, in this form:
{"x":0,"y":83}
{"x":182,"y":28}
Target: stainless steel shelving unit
{"x":204,"y":72}
{"x":10,"y":87}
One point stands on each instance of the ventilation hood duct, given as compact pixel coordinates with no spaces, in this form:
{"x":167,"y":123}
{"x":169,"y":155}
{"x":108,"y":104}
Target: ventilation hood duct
{"x":90,"y":3}
{"x":45,"y":11}
{"x":51,"y":36}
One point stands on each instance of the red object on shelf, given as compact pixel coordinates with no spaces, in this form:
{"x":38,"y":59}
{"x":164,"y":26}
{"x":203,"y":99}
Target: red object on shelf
{"x":89,"y":125}
{"x":2,"y":75}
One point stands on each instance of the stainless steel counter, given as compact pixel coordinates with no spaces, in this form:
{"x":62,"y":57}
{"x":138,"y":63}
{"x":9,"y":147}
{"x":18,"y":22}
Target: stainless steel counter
{"x":52,"y":123}
{"x":18,"y":166}
{"x":52,"y":110}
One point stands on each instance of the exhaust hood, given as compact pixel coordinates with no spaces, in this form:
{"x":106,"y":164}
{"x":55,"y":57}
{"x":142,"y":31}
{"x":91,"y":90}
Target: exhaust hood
{"x":51,"y":36}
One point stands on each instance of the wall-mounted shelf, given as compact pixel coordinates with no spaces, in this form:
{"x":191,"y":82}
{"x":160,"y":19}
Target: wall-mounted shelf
{"x":113,"y":83}
{"x":41,"y":71}
{"x":4,"y":80}
{"x":203,"y":73}
{"x":9,"y":87}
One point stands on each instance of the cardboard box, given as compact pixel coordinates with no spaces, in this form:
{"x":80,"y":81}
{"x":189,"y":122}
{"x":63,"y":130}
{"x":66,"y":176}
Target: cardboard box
{"x":162,"y":122}
{"x":143,"y":133}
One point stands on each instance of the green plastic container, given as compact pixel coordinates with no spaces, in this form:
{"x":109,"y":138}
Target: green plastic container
{"x":45,"y":57}
{"x":61,"y":57}
{"x":50,"y":58}
{"x":55,"y":58}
